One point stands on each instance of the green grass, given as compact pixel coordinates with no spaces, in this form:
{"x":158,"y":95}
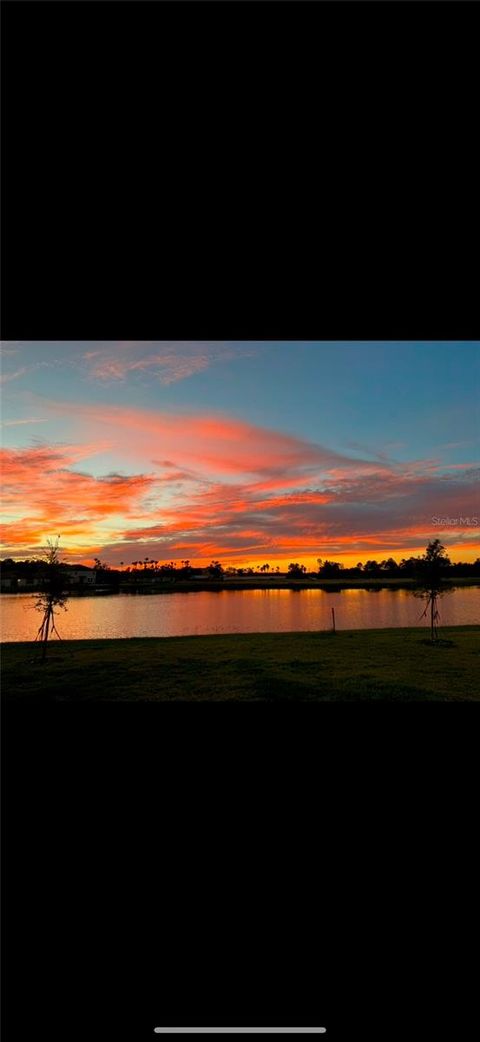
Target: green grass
{"x":352,"y":665}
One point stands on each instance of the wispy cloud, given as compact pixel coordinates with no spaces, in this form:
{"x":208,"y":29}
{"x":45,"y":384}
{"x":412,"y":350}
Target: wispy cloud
{"x":18,"y":423}
{"x":168,"y":363}
{"x":23,"y":370}
{"x":6,"y":377}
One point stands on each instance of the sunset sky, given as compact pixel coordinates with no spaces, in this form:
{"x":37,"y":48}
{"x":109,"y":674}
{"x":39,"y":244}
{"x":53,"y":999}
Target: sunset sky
{"x":249,"y":452}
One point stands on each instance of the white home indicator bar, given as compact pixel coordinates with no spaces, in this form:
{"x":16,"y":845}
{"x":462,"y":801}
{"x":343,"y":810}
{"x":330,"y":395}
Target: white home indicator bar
{"x":240,"y":1031}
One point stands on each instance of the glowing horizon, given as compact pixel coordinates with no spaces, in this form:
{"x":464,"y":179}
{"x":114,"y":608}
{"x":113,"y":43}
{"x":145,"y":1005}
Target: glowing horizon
{"x":248,"y":453}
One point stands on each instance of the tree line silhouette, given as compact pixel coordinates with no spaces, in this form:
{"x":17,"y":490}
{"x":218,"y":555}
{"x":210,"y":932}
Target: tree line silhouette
{"x":408,"y":568}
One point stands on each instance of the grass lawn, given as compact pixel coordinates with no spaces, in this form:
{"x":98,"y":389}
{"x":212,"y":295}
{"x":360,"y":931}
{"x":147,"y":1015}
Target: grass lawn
{"x":352,"y":665}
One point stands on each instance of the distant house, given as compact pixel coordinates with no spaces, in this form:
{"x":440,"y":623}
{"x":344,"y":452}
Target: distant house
{"x":81,"y":576}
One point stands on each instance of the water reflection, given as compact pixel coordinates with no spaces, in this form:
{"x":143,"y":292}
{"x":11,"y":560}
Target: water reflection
{"x":234,"y":611}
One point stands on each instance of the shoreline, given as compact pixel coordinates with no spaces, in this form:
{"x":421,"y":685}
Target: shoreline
{"x":253,"y":584}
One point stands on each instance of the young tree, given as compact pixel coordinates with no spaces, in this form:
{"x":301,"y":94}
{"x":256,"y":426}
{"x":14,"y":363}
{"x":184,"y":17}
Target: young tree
{"x":429,"y":574}
{"x":53,"y":596}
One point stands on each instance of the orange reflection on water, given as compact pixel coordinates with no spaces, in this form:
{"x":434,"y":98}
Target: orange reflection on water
{"x":233,"y":611}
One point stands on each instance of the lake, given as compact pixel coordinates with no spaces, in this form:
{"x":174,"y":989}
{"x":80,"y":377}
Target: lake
{"x":233,"y":611}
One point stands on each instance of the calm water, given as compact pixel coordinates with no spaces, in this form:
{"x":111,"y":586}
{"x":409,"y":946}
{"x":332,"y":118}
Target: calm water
{"x":232,"y":611}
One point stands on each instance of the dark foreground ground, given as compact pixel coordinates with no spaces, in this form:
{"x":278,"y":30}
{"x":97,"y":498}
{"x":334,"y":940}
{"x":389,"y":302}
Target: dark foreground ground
{"x":389,"y":664}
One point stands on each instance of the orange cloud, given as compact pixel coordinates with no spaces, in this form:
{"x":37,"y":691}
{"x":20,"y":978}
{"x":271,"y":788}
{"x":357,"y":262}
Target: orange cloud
{"x":62,"y":500}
